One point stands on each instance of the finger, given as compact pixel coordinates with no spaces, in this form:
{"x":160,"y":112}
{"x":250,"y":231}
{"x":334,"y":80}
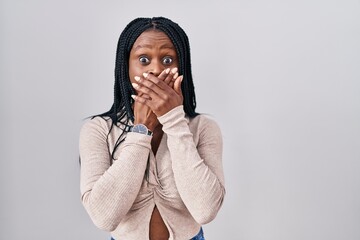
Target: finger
{"x":145,"y":86}
{"x":164,"y":74}
{"x":138,"y":99}
{"x":175,"y":77}
{"x":162,"y":90}
{"x":142,"y":90}
{"x":177,"y":85}
{"x":140,"y":93}
{"x":145,"y":96}
{"x":171,"y":75}
{"x":172,"y":81}
{"x":154,"y":83}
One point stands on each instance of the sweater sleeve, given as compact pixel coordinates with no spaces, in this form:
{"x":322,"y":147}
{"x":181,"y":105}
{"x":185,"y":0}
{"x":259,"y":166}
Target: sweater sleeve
{"x":198,"y":170}
{"x":108,"y":192}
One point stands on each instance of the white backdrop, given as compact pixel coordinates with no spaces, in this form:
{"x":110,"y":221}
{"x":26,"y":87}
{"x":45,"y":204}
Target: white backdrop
{"x":282,"y":78}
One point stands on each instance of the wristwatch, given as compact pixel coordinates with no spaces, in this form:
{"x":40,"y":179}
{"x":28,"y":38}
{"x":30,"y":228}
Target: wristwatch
{"x":141,"y":128}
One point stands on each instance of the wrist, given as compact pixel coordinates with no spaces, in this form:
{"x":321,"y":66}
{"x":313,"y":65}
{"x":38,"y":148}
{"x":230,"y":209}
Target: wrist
{"x":151,"y":125}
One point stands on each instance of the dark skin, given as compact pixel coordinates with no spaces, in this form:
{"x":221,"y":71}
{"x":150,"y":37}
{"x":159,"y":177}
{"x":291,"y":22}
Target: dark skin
{"x":153,"y":72}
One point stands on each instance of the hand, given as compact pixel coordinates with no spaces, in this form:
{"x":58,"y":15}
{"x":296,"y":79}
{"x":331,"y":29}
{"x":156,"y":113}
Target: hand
{"x":143,"y":113}
{"x":169,"y":76}
{"x":158,"y":94}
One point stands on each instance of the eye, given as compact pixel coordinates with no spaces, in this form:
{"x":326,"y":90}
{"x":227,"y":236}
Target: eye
{"x":167,"y":60}
{"x":144,"y":60}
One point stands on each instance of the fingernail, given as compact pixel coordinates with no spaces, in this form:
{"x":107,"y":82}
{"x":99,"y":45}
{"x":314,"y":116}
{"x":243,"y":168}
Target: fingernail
{"x":135,"y":85}
{"x":174,"y":70}
{"x":145,"y":75}
{"x":133,"y":97}
{"x":137,"y":78}
{"x":167,"y":70}
{"x":181,"y":78}
{"x":176,"y":75}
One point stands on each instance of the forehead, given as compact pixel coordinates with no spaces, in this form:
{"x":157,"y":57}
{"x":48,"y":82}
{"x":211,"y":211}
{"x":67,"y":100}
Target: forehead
{"x":153,"y":39}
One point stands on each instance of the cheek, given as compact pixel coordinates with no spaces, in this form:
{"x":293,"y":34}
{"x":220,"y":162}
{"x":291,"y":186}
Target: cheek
{"x":133,"y":71}
{"x":176,"y":63}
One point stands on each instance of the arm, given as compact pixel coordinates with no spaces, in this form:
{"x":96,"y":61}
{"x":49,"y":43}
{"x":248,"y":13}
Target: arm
{"x":108,"y":192}
{"x":197,"y":169}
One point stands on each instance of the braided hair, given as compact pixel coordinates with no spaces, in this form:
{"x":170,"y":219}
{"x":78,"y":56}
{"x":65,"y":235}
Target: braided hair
{"x":121,"y":111}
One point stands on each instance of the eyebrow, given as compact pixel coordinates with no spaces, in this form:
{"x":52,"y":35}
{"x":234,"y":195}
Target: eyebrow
{"x":150,"y":46}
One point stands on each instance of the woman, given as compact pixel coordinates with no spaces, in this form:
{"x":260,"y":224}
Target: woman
{"x":151,"y":166}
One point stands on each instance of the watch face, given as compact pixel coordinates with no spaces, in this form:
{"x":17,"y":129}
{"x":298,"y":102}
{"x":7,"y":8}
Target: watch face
{"x":140,"y":128}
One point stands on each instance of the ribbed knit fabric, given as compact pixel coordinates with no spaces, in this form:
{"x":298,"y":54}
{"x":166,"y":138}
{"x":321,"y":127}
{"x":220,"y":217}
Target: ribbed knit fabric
{"x":186,"y":180}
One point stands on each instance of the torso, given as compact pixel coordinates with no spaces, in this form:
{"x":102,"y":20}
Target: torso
{"x":158,"y":229}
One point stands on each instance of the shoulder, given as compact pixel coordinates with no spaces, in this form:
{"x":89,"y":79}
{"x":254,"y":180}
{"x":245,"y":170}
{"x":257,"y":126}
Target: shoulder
{"x":204,"y":124}
{"x":98,"y":126}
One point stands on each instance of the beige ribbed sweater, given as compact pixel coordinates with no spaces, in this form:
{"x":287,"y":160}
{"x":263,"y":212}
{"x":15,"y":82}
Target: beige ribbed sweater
{"x":186,"y":180}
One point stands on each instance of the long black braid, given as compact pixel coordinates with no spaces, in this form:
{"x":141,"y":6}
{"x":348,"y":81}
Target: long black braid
{"x":121,"y":111}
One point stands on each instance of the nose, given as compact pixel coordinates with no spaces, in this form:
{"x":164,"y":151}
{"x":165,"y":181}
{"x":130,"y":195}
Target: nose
{"x":155,"y":68}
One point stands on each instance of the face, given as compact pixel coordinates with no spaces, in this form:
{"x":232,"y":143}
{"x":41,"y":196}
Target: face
{"x":152,"y":52}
